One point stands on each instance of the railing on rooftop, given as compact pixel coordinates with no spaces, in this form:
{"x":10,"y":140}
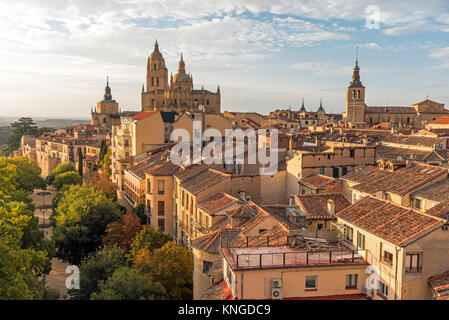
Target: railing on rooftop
{"x":307,"y":258}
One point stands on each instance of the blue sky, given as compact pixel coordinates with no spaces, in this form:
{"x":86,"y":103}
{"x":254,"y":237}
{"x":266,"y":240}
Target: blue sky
{"x":55,"y":54}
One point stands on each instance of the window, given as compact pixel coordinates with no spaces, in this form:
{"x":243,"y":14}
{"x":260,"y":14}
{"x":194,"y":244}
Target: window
{"x":311,"y":282}
{"x":149,"y":186}
{"x":352,"y":153}
{"x":383,"y":289}
{"x":417,"y":203}
{"x":387,"y":257}
{"x":149,"y":206}
{"x":319,"y":226}
{"x":351,"y":281}
{"x":360,"y":240}
{"x":152,"y":81}
{"x":303,"y":189}
{"x":160,"y":208}
{"x":344,"y":171}
{"x":207,"y":266}
{"x":161,"y":224}
{"x":335,"y":173}
{"x":312,"y":191}
{"x":348,"y":233}
{"x":161,"y":187}
{"x":413,"y":262}
{"x":321,"y":170}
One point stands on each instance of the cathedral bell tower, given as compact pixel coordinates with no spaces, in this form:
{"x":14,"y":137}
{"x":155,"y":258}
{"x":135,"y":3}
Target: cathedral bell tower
{"x":355,"y":98}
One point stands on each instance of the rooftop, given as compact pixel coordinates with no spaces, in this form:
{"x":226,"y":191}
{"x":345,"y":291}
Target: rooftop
{"x":401,"y":181}
{"x":316,"y":180}
{"x":440,"y":285}
{"x":269,"y":257}
{"x":396,"y":224}
{"x":216,"y":202}
{"x":436,"y":192}
{"x":315,"y":206}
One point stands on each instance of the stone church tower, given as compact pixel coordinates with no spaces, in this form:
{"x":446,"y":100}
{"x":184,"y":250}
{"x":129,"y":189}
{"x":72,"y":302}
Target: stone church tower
{"x":355,"y":99}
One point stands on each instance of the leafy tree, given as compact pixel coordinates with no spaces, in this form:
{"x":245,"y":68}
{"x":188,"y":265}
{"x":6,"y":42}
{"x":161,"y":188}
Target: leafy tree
{"x":122,"y":232}
{"x":20,"y":269}
{"x":149,"y":238}
{"x":28,"y":173}
{"x":61,"y":168}
{"x":24,"y":126}
{"x":102,"y":183}
{"x":43,"y":130}
{"x":139,"y":210}
{"x":80,"y":162}
{"x":171,"y":266}
{"x":67,"y":178}
{"x":81,"y":219}
{"x":98,"y":266}
{"x":128,"y":284}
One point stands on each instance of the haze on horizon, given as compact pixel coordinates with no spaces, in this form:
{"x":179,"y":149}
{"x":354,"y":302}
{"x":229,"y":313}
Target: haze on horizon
{"x":55,"y":55}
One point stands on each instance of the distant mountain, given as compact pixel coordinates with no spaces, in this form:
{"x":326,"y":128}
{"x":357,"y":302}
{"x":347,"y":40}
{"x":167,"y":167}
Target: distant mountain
{"x":42,"y":122}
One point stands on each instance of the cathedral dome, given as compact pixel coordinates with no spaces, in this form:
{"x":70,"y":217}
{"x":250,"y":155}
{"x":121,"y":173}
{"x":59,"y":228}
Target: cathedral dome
{"x":181,"y":77}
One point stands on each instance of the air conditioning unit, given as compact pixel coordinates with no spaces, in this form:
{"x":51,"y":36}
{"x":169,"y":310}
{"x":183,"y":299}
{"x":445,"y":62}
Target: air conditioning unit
{"x":276,"y":283}
{"x":277,"y":293}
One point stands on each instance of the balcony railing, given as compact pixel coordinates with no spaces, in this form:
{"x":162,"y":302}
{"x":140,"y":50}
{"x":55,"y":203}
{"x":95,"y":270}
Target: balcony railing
{"x":285,"y":259}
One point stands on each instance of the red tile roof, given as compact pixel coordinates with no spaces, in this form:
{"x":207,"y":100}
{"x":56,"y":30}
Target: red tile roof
{"x":316,"y":180}
{"x":440,"y":285}
{"x":396,"y":224}
{"x":143,"y":115}
{"x":315,"y":206}
{"x":440,"y":120}
{"x":217,"y":202}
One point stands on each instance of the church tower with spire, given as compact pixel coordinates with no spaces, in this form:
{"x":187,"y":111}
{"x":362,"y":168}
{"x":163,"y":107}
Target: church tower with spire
{"x":355,"y":98}
{"x":105,"y":110}
{"x":176,"y":93}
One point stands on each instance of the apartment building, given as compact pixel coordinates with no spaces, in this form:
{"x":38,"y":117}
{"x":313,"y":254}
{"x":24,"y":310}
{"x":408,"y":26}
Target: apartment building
{"x":404,"y":247}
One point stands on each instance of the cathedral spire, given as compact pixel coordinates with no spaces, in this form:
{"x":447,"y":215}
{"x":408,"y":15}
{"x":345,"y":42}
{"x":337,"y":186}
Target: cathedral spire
{"x":321,"y":105}
{"x":181,"y":65}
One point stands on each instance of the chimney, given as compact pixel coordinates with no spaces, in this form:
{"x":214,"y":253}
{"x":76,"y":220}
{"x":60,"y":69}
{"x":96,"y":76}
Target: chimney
{"x":331,"y":207}
{"x":242,"y":195}
{"x":291,"y":201}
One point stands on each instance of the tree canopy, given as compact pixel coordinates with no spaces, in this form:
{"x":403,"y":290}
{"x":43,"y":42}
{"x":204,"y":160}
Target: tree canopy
{"x":149,"y":238}
{"x":81,"y":218}
{"x":122,"y":232}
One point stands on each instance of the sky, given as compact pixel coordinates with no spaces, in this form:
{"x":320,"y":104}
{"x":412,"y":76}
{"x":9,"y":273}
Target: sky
{"x":55,"y":55}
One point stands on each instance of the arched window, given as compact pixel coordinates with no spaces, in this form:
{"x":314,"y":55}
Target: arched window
{"x":408,"y":120}
{"x":157,"y":81}
{"x":358,"y":94}
{"x":353,"y":94}
{"x":207,"y":102}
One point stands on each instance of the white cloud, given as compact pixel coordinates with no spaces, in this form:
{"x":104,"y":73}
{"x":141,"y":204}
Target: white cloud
{"x":441,"y":54}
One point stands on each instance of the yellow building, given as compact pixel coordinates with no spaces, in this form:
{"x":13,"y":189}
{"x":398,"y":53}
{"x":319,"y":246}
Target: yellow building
{"x":177,"y":95}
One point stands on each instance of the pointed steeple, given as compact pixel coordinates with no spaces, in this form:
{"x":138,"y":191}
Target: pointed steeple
{"x":107,"y":91}
{"x":356,"y":73}
{"x":181,"y":65}
{"x":321,"y":105}
{"x":303,"y":108}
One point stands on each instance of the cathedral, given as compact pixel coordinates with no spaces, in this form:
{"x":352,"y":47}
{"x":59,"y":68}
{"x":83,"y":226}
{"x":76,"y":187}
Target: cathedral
{"x":176,"y":94}
{"x":358,"y":114}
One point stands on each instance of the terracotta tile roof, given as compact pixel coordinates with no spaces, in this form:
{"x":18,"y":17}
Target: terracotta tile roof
{"x":440,"y":285}
{"x":264,"y":214}
{"x":365,"y":173}
{"x":276,"y":235}
{"x":422,"y":141}
{"x":217,"y":202}
{"x":441,"y":210}
{"x":391,"y":110}
{"x":440,"y":120}
{"x":218,"y":291}
{"x":203,"y":180}
{"x":214,"y":241}
{"x":143,"y":115}
{"x":385,"y":152}
{"x":316,"y":180}
{"x":315,"y":206}
{"x":438,"y":191}
{"x":402,"y":181}
{"x":396,"y":224}
{"x":139,"y":169}
{"x":167,"y":168}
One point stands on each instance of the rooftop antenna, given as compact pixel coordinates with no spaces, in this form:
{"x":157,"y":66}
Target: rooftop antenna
{"x":427,"y":93}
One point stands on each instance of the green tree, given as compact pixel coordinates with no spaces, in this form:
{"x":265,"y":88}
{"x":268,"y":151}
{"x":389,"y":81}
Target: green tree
{"x":128,"y":284}
{"x":149,"y":238}
{"x":98,"y":266}
{"x":24,"y":126}
{"x":81,"y":219}
{"x":103,"y":151}
{"x":172,"y":267}
{"x":61,"y":168}
{"x":139,"y":210}
{"x":107,"y":164}
{"x":67,"y":178}
{"x":28,"y":173}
